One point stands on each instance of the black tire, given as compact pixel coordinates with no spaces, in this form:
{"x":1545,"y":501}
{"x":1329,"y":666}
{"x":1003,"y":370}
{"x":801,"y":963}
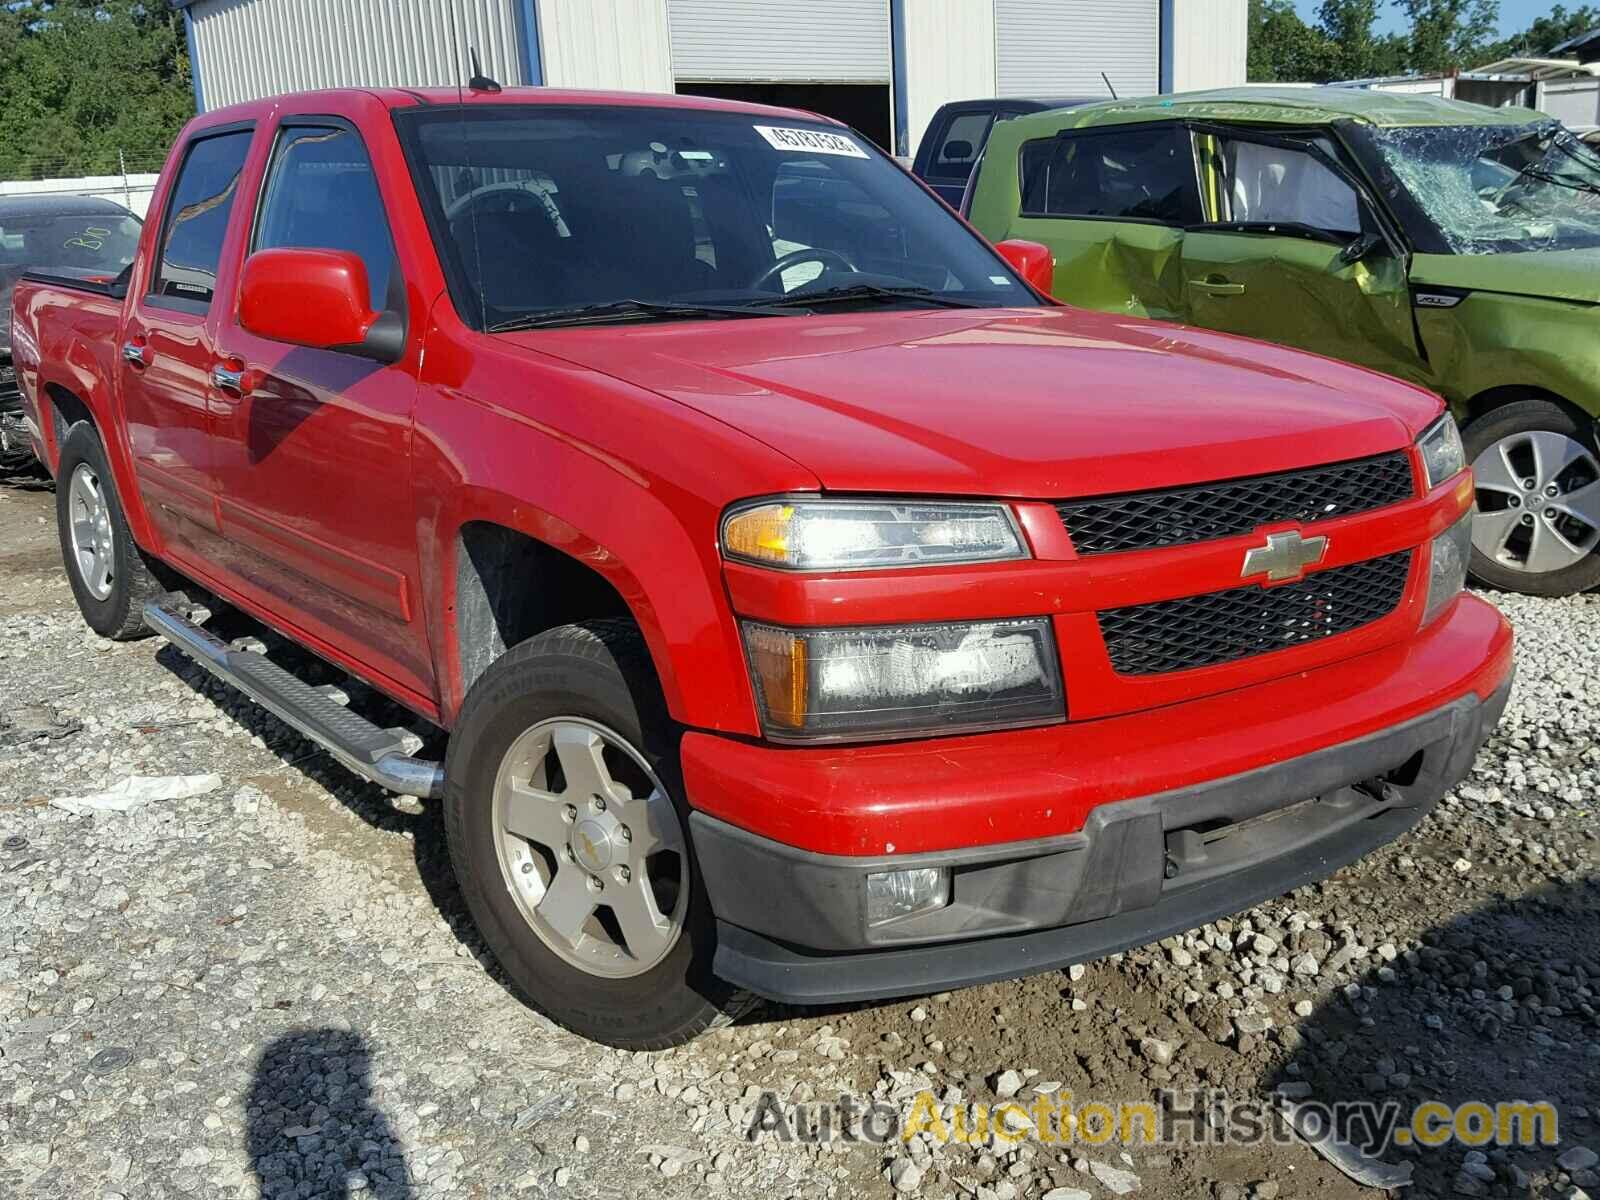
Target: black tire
{"x":133,"y":583}
{"x":1531,"y":416}
{"x":600,"y":672}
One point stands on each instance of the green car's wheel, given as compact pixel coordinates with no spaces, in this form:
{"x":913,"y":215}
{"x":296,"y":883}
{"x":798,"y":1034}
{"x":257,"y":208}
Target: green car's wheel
{"x":1537,"y":469}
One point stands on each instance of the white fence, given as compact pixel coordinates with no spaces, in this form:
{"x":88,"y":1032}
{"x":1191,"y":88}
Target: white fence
{"x":130,"y":191}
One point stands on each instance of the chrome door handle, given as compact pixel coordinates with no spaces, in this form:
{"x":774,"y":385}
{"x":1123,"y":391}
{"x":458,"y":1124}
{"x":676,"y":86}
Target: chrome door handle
{"x":225,"y":380}
{"x":136,"y":354}
{"x":1218,"y":287}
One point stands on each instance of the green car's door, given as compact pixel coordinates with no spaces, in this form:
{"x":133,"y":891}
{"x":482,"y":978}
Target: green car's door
{"x":1112,"y":205}
{"x":1291,"y":251}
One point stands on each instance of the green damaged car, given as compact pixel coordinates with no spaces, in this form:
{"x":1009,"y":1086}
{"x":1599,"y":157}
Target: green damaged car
{"x":1451,"y":245}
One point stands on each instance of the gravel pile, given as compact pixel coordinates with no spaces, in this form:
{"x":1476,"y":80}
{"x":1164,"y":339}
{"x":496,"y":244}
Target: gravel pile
{"x":271,"y":989}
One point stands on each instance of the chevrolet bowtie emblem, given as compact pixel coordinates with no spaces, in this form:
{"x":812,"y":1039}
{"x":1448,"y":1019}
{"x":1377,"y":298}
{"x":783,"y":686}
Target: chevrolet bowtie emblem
{"x":1285,"y":556}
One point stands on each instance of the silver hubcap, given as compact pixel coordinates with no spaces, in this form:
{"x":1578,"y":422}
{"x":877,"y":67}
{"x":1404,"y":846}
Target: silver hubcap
{"x":1538,"y":502}
{"x":93,"y":548}
{"x":591,"y":847}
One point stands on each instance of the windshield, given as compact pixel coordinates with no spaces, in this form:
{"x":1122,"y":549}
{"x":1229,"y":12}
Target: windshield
{"x":93,"y":243}
{"x":546,"y":210}
{"x":1489,"y":190}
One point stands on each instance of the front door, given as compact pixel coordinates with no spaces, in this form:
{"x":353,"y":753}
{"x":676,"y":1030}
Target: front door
{"x":313,"y":447}
{"x":1291,"y":251}
{"x":167,"y":346}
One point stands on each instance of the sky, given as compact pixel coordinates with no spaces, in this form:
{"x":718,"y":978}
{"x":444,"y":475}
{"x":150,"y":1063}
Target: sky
{"x":1515,"y":15}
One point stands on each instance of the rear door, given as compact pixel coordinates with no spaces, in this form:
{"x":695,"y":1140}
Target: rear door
{"x":168,"y":342}
{"x":1112,"y":204}
{"x":1276,"y":256}
{"x":313,"y":447}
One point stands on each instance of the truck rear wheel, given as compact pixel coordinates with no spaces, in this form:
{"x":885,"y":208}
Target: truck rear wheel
{"x":568,"y":831}
{"x":108,"y":572}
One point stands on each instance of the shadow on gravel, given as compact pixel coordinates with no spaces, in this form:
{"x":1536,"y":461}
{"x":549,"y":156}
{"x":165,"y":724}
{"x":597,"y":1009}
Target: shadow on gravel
{"x":314,"y":1126}
{"x":1496,"y":1006}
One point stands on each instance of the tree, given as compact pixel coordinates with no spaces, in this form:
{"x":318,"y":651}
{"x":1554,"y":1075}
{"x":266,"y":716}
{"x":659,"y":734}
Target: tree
{"x":1356,"y":51}
{"x":81,"y":80}
{"x":1545,"y":34}
{"x":1283,"y":48}
{"x":1448,"y":34}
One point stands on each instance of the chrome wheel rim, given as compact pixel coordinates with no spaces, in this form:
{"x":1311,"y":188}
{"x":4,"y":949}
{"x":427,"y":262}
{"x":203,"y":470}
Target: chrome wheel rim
{"x":590,"y":847}
{"x":89,"y":517}
{"x":1538,"y":502}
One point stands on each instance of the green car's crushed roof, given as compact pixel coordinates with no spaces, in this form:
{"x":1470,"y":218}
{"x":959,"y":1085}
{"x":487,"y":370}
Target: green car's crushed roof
{"x":1287,"y":106}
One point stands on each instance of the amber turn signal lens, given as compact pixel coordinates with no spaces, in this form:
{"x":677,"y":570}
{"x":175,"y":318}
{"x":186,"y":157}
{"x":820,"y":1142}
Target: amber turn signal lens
{"x":759,"y":534}
{"x":778,"y":661}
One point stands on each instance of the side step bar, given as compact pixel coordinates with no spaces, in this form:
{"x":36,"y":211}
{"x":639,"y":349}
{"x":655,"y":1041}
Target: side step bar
{"x":376,"y":754}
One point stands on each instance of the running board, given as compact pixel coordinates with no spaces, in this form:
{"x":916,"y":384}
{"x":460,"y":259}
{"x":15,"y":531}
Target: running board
{"x":376,"y":754}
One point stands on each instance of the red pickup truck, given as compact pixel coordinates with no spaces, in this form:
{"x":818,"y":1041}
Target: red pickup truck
{"x":816,"y":609}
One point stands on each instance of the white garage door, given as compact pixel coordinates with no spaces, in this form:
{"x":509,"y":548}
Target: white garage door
{"x":822,"y":41}
{"x":1059,"y":47}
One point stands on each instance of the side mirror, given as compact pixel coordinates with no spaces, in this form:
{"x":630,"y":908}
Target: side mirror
{"x":956,"y":151}
{"x":317,"y":298}
{"x":1360,"y":248}
{"x":1030,"y":260}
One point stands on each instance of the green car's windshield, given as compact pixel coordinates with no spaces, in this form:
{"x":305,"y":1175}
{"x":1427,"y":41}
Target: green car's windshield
{"x":548,"y":215}
{"x":1489,"y":189}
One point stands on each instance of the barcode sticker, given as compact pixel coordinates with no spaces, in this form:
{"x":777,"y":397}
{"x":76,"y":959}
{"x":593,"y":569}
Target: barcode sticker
{"x":815,"y":141}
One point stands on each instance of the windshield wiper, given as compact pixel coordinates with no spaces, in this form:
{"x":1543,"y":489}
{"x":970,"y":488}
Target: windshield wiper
{"x":634,"y":310}
{"x":871,"y":291}
{"x":1544,"y":176}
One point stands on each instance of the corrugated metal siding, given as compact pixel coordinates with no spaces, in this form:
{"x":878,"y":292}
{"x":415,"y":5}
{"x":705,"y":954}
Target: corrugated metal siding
{"x":1208,"y":44}
{"x":606,"y":44}
{"x":254,"y":48}
{"x":949,"y":56}
{"x":1059,"y":47}
{"x":822,"y":41}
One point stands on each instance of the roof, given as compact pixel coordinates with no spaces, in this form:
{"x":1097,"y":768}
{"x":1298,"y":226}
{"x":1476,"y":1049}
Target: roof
{"x":1531,"y":69}
{"x":59,"y":206}
{"x":1294,"y":106}
{"x":1572,"y":43}
{"x":396,"y":97}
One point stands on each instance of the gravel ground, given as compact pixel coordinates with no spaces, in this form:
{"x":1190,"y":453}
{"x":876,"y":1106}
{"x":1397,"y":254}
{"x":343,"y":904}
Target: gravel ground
{"x":271,"y":988}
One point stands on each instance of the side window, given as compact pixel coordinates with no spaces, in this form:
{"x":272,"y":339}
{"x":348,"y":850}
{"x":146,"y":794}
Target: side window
{"x":960,"y":143}
{"x":197,"y":219}
{"x":1124,"y":174}
{"x":1253,"y":183}
{"x":321,"y":194}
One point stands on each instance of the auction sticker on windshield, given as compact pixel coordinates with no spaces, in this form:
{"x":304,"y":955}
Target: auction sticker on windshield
{"x":813,"y":140}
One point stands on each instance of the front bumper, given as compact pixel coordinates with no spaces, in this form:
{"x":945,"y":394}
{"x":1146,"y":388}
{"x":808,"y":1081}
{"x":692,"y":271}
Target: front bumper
{"x":792,"y":924}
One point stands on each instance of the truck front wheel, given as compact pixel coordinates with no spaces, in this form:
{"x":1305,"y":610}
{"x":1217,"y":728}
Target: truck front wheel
{"x":108,"y":572}
{"x":568,"y":832}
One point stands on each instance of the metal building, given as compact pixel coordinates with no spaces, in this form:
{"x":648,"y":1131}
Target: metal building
{"x":884,"y":66}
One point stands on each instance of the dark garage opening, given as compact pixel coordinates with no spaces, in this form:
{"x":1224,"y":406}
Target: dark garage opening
{"x":862,"y":106}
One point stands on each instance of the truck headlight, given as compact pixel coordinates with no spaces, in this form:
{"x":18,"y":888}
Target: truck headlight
{"x":904,"y":680}
{"x":1447,"y":567}
{"x":824,"y":535}
{"x":1443,"y":455}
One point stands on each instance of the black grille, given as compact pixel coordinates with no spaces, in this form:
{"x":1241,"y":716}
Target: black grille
{"x":1202,"y":631}
{"x":1178,"y":516}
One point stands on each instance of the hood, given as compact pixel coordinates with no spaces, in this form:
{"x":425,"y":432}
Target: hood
{"x":1040,"y":403}
{"x":1548,"y":274}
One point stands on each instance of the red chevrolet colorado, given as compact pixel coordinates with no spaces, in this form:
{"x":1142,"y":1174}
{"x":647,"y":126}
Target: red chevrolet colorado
{"x":815,"y":609}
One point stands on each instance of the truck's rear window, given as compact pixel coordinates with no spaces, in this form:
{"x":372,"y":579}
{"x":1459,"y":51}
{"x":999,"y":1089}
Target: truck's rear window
{"x":540,"y":208}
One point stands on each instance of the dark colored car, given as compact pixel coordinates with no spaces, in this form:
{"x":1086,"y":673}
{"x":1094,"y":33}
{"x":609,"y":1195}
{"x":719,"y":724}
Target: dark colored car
{"x":958,"y":132}
{"x":77,"y":234}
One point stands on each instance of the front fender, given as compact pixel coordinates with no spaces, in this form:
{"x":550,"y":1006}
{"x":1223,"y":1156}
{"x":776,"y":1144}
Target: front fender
{"x":626,"y":482}
{"x":1490,"y":341}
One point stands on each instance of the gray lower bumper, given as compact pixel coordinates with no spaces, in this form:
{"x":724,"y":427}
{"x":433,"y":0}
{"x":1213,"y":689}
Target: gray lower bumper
{"x":792,"y":924}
